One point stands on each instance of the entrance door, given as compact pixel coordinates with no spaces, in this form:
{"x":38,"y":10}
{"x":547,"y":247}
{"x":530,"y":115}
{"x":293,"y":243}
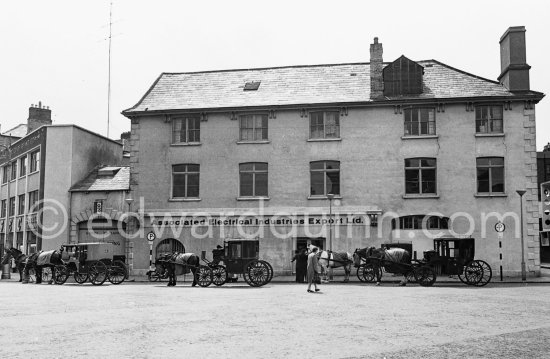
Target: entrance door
{"x":302,"y":242}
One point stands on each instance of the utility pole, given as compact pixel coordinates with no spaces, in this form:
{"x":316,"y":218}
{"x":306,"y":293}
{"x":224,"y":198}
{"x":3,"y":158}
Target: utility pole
{"x":109,"y":79}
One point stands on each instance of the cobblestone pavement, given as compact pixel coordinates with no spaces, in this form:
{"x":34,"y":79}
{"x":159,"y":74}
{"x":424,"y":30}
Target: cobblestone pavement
{"x":280,"y":320}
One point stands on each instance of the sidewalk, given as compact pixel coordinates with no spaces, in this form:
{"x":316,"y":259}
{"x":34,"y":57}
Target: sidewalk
{"x":388,"y":278}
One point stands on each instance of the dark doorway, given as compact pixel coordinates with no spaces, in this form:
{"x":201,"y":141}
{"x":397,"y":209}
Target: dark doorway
{"x":302,"y":242}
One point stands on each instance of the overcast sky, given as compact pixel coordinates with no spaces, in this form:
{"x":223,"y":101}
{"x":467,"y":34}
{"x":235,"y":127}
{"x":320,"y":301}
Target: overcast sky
{"x":57,"y":51}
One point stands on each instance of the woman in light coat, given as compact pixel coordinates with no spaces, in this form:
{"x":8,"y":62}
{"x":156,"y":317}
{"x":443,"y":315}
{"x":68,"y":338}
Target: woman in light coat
{"x":312,"y":269}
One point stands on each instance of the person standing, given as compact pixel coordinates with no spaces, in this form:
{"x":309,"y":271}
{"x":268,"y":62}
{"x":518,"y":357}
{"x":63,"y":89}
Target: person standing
{"x":312,"y":270}
{"x":301,"y":265}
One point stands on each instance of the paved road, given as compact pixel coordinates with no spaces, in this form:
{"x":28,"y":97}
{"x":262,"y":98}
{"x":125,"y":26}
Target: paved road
{"x":280,"y":320}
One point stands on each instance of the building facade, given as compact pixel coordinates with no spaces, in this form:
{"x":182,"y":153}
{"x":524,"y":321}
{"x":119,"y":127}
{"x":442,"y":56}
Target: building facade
{"x":342,"y":156}
{"x":98,"y":209}
{"x":37,"y":172}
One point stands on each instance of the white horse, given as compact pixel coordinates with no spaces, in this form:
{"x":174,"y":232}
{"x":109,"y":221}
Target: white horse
{"x":329,"y":259}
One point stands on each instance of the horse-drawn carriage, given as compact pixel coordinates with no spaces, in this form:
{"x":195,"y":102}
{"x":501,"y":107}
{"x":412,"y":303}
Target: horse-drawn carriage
{"x":240,"y":256}
{"x":455,"y":256}
{"x":92,"y":262}
{"x":395,"y":259}
{"x":451,"y":256}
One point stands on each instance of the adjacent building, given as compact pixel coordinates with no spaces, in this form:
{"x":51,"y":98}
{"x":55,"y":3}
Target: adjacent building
{"x":343,"y":156}
{"x":36,"y":174}
{"x":98,"y":208}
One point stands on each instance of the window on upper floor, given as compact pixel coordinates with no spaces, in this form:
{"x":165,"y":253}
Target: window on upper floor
{"x":12,"y":206}
{"x":13,"y":170}
{"x":35,"y":161}
{"x":324,"y":124}
{"x":419,"y":121}
{"x":490,"y":175}
{"x":22,"y":166}
{"x":325,"y":178}
{"x":5,"y":173}
{"x":420,"y":176}
{"x":253,"y":179}
{"x":33,"y":199}
{"x":185,"y":181}
{"x":489,"y":119}
{"x":3,"y":209}
{"x":186,"y":129}
{"x":253,"y":127}
{"x":21,"y":204}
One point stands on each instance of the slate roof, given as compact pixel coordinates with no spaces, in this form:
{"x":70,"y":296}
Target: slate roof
{"x":18,"y":131}
{"x":94,"y":182}
{"x":300,"y":85}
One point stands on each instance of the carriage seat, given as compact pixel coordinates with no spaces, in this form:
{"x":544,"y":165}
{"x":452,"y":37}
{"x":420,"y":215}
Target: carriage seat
{"x":430,"y":255}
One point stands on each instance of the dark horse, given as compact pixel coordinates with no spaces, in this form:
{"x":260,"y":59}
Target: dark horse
{"x":176,"y":264}
{"x":391,"y":259}
{"x":18,"y":256}
{"x":36,"y":261}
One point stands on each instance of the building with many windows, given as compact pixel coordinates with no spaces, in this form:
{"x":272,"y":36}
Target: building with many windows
{"x":342,"y":156}
{"x":36,"y":174}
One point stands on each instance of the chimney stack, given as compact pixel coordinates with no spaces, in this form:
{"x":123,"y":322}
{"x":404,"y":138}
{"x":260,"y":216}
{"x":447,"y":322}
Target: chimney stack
{"x":376,"y":65}
{"x":514,"y":71}
{"x":38,"y":117}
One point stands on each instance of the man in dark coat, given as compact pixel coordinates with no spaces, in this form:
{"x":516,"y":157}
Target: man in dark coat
{"x":301,"y":265}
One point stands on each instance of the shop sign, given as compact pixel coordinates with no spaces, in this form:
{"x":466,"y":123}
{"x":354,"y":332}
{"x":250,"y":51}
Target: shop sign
{"x":259,"y":221}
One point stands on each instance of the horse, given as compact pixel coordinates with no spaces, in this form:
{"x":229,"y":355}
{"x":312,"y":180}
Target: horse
{"x":40,"y":260}
{"x":392,"y":258}
{"x":330,"y":259}
{"x":19,"y":257}
{"x":176,"y":264}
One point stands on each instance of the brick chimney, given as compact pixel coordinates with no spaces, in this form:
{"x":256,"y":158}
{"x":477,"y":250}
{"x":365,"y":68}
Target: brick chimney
{"x":38,"y":117}
{"x":514,"y":71}
{"x":376,"y":81}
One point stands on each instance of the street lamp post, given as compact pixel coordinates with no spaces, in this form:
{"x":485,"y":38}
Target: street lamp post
{"x":330,"y":197}
{"x":521,"y":192}
{"x":129,"y":201}
{"x":6,"y":269}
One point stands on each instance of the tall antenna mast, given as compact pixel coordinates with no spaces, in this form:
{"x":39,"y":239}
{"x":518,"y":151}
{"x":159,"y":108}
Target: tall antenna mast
{"x":109,"y":80}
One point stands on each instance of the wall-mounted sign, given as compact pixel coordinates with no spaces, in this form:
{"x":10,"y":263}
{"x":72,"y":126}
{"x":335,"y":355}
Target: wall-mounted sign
{"x":500,"y":227}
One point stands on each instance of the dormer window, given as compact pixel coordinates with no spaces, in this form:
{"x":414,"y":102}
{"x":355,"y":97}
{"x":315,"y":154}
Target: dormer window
{"x":252,"y":86}
{"x":402,"y":77}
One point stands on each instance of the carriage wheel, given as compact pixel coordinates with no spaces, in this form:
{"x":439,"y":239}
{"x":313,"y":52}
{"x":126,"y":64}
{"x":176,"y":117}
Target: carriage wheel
{"x":61,"y":274}
{"x":478,"y":273}
{"x":219,"y":275}
{"x":46,"y":274}
{"x":80,"y":278}
{"x":410,"y":276}
{"x":117,"y":272}
{"x":97,"y":273}
{"x":359,"y":275}
{"x":367,"y":272}
{"x":256,"y":273}
{"x":203,"y":276}
{"x":270,"y":271}
{"x":425,"y":276}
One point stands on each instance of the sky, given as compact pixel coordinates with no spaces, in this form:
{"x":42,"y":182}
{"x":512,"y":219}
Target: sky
{"x":57,"y":52}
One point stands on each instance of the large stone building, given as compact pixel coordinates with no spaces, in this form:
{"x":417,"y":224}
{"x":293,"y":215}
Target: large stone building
{"x":37,"y":172}
{"x":411,"y":150}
